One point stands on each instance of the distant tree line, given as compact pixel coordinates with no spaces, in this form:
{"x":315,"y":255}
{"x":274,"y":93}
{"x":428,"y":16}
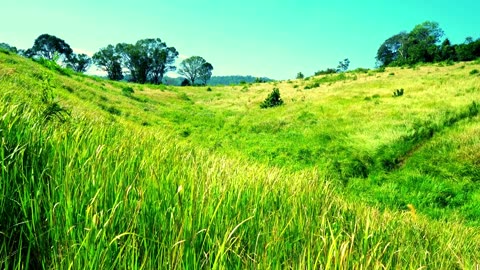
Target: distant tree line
{"x":146,"y":61}
{"x":424,"y":45}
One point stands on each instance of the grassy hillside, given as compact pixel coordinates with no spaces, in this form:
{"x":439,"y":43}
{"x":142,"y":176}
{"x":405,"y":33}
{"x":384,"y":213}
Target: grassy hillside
{"x":342,"y":176}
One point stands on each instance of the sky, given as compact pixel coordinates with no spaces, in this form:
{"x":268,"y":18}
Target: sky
{"x":275,"y":39}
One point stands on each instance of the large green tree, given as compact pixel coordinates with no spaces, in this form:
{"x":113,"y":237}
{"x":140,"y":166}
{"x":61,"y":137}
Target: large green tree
{"x":47,"y":46}
{"x":79,"y":62}
{"x":135,"y":59}
{"x":392,"y":50}
{"x":162,"y":59}
{"x":109,"y":60}
{"x":422,"y":42}
{"x":419,"y":45}
{"x":205,"y":73}
{"x":194,"y":67}
{"x":7,"y":47}
{"x":147,"y":59}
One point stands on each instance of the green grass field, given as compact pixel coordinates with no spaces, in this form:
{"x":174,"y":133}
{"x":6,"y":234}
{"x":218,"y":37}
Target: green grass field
{"x":342,"y":176}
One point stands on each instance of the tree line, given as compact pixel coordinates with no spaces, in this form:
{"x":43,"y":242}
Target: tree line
{"x":146,"y":61}
{"x":424,"y":45}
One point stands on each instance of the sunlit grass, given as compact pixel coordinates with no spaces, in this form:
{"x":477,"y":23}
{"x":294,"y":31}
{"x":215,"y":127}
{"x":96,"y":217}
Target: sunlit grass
{"x":196,"y":187}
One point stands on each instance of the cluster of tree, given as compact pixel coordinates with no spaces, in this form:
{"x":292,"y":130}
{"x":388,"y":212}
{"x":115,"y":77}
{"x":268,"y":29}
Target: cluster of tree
{"x":7,"y":47}
{"x":342,"y":67}
{"x":146,"y":61}
{"x":423,"y":44}
{"x":55,"y":49}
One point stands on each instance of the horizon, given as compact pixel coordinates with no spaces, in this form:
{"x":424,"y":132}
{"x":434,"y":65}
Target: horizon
{"x":264,"y":39}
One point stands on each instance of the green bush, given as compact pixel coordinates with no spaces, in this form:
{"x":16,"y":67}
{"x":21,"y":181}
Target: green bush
{"x":398,"y":92}
{"x":127,"y":91}
{"x":473,"y":72}
{"x":272,"y":100}
{"x":326,"y":71}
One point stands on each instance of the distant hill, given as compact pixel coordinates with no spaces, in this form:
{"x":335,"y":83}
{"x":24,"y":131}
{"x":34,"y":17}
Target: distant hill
{"x":220,"y":80}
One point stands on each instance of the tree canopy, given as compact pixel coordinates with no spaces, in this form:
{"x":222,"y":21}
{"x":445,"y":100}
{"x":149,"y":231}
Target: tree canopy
{"x":424,"y":44}
{"x":109,"y":60}
{"x":147,"y":60}
{"x":47,"y":46}
{"x":7,"y":47}
{"x":79,"y":62}
{"x":194,"y":68}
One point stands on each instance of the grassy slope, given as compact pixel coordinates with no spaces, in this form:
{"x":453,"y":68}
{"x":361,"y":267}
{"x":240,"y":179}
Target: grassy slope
{"x":185,"y":177}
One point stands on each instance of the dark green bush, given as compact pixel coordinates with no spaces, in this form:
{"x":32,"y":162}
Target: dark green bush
{"x":398,"y":92}
{"x":474,"y":71}
{"x":127,"y":91}
{"x":326,"y":71}
{"x":272,"y":100}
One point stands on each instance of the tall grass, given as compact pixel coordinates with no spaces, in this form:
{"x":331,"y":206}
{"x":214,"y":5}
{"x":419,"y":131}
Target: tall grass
{"x":75,"y":195}
{"x":95,"y":190}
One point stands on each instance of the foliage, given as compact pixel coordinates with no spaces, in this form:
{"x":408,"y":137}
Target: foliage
{"x":46,"y":46}
{"x":343,"y":65}
{"x":109,"y":60}
{"x":147,"y":59}
{"x":205,"y":73}
{"x":79,"y":62}
{"x":398,"y":92}
{"x":7,"y":47}
{"x":326,"y":71}
{"x":422,"y":45}
{"x":474,"y":71}
{"x":273,"y":100}
{"x":333,"y":182}
{"x":195,"y":67}
{"x":127,"y":91}
{"x":185,"y":82}
{"x":300,"y":76}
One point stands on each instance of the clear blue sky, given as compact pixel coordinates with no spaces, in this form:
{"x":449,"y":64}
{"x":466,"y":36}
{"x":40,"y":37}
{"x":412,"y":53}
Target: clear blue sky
{"x":269,"y":38}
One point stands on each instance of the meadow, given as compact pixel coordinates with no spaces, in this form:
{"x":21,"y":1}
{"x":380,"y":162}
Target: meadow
{"x":98,"y":174}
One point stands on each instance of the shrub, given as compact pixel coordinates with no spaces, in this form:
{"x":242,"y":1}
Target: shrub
{"x":209,"y":89}
{"x":272,"y":100}
{"x":475,"y":71}
{"x":300,"y":75}
{"x":380,"y":69}
{"x":398,"y":92}
{"x":127,"y":91}
{"x":326,"y":71}
{"x":312,"y":85}
{"x":361,"y":70}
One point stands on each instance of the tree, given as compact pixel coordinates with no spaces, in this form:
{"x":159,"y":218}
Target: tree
{"x":300,"y":75}
{"x":79,"y":62}
{"x":7,"y":47}
{"x":192,"y":67}
{"x":469,"y":50}
{"x":147,"y":59}
{"x":205,"y":73}
{"x":46,"y":46}
{"x":272,"y":100}
{"x":109,"y":60}
{"x":343,"y":65}
{"x":422,"y":42}
{"x":446,"y":51}
{"x":392,"y":50}
{"x":163,"y":60}
{"x":134,"y":59}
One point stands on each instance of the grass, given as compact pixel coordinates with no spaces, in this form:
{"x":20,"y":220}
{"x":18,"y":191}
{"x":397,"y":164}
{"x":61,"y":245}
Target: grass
{"x":329,"y":180}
